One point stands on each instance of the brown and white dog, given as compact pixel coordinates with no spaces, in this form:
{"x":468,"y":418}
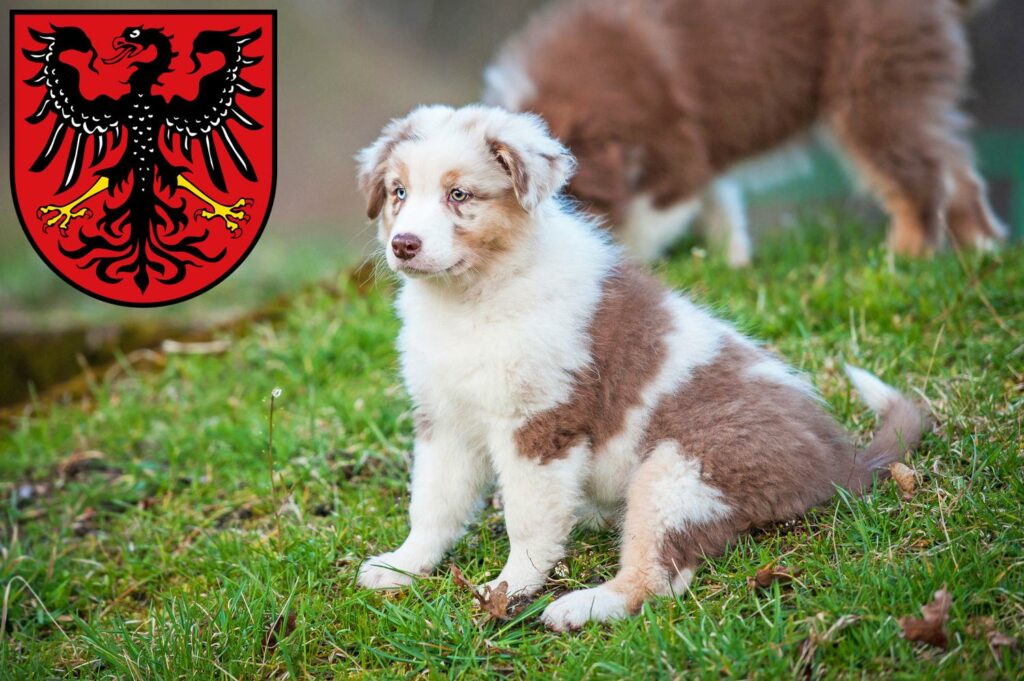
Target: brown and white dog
{"x":538,"y":357}
{"x":659,"y":99}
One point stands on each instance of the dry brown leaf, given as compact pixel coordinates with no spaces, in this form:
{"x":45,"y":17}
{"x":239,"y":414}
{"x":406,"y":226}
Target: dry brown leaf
{"x":493,"y":602}
{"x":281,"y":628}
{"x":496,"y":602}
{"x":769,"y":574}
{"x":997,"y":639}
{"x":903,"y":476}
{"x":84,"y":522}
{"x":79,"y":462}
{"x":930,"y":628}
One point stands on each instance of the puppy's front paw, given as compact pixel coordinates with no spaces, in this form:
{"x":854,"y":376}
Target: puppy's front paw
{"x":383,"y":572}
{"x":576,"y":608}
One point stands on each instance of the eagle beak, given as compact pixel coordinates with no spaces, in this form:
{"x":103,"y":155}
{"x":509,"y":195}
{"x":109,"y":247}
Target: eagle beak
{"x":124,"y":49}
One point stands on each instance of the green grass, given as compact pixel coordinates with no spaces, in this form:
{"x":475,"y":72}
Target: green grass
{"x":163,"y":559}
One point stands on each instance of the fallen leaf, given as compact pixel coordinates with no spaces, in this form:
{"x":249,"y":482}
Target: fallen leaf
{"x":79,"y":462}
{"x":493,"y":602}
{"x":997,"y":639}
{"x":930,"y":628}
{"x":903,"y":476}
{"x":496,"y":602}
{"x":281,"y":628}
{"x":83,"y":523}
{"x":769,"y":574}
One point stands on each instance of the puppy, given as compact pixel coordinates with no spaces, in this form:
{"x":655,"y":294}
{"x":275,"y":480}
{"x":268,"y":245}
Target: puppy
{"x":538,"y":357}
{"x":658,"y":99}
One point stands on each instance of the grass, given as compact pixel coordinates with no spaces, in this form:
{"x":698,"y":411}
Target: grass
{"x":166,"y":554}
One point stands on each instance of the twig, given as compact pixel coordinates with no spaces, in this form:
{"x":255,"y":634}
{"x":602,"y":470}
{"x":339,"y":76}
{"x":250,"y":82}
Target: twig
{"x":214,"y":347}
{"x":274,"y":394}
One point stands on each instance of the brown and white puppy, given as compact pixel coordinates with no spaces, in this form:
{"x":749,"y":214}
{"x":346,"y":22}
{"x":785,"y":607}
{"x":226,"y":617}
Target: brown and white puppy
{"x":538,"y":358}
{"x":657,"y":99}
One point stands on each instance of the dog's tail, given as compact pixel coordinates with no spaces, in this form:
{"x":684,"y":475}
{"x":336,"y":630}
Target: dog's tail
{"x":968,"y":8}
{"x":902,"y":425}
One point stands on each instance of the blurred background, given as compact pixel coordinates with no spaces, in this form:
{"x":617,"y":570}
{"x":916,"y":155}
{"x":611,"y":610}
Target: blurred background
{"x":346,"y":67}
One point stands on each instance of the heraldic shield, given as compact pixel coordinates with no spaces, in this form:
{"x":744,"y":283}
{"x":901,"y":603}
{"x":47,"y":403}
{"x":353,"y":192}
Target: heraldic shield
{"x":143,"y":146}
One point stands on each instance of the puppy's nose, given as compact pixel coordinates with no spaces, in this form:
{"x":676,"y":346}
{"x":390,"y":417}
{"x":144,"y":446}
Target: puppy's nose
{"x":406,"y":246}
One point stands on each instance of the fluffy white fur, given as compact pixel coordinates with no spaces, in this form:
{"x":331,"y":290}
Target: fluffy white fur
{"x":875,"y":393}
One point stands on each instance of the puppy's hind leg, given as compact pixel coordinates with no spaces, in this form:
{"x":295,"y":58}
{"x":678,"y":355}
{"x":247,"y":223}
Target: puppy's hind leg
{"x":669,"y":513}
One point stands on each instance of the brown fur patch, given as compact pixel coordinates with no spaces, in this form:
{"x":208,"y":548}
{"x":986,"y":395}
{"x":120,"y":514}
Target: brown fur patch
{"x":371,"y":178}
{"x":491,"y":227}
{"x":451,"y":179}
{"x":695,"y":86}
{"x":513,"y":165}
{"x":627,"y":350}
{"x":391,"y":209}
{"x":772,"y":451}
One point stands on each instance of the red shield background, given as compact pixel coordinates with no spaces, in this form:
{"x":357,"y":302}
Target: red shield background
{"x":35,"y":189}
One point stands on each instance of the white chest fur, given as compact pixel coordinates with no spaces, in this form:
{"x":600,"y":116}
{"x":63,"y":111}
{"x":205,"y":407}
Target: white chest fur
{"x":507,"y":349}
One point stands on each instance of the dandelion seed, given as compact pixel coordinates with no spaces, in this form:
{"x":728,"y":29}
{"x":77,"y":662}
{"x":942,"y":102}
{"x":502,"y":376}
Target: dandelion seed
{"x":275,"y":393}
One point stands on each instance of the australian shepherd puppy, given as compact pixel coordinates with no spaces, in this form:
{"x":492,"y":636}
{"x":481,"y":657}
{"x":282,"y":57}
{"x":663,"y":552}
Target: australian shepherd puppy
{"x":657,"y":99}
{"x":537,"y":357}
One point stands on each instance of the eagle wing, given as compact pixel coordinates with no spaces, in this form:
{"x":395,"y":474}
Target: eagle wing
{"x":85,"y":119}
{"x":216,"y":105}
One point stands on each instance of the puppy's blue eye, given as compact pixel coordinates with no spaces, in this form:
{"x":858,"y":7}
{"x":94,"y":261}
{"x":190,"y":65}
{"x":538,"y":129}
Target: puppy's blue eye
{"x":400,"y":193}
{"x":458,"y":195}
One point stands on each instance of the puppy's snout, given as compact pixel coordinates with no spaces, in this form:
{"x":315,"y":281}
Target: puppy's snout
{"x":406,"y":246}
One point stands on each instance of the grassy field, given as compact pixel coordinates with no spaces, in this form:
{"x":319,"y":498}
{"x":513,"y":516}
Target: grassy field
{"x":143,"y":537}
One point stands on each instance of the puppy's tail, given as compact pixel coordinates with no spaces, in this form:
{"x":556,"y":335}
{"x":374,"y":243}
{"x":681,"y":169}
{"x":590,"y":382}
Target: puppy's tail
{"x":902,"y":425}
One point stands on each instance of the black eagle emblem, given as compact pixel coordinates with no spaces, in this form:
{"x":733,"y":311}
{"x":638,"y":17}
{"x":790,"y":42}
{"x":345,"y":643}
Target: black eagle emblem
{"x":143,"y":234}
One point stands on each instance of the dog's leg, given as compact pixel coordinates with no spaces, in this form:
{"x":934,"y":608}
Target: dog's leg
{"x":670,"y":513}
{"x":540,"y":503}
{"x":725,"y":221}
{"x":901,"y":159}
{"x":447,"y":482}
{"x":971,"y":221}
{"x":647,"y":232}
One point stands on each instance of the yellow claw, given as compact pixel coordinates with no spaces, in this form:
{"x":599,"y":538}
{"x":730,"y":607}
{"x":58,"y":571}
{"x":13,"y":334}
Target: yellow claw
{"x":70,"y":211}
{"x":232,"y":215}
{"x":63,"y":216}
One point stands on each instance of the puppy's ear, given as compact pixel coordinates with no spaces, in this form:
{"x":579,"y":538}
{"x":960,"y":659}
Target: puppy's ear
{"x":538,"y":164}
{"x":373,"y":163}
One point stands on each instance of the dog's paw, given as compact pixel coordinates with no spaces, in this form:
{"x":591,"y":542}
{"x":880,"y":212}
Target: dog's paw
{"x":576,"y":608}
{"x":383,"y":572}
